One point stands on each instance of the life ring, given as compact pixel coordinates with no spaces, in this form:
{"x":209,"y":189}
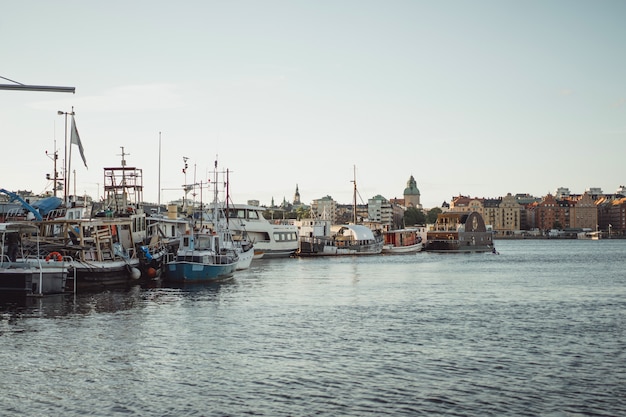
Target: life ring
{"x":54,"y":255}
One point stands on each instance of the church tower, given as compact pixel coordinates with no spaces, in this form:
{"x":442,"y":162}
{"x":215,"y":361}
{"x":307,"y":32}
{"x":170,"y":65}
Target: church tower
{"x":296,"y":197}
{"x":412,"y":194}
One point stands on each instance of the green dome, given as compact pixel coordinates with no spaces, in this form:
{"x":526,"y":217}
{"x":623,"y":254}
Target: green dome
{"x":411,"y":187}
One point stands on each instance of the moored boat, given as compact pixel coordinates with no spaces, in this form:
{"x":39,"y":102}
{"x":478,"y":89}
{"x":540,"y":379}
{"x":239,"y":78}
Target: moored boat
{"x":407,"y":240}
{"x":459,"y":232}
{"x":111,"y":246}
{"x":349,"y":239}
{"x":23,"y":268}
{"x":271,"y":239}
{"x":201,"y":257}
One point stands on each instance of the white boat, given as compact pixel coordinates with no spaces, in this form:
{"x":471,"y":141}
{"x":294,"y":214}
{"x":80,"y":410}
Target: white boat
{"x":407,"y":240}
{"x":271,"y":239}
{"x":597,"y":235}
{"x":23,"y":269}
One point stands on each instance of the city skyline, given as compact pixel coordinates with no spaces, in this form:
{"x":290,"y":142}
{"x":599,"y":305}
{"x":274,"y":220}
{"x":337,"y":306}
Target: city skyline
{"x":475,"y":98}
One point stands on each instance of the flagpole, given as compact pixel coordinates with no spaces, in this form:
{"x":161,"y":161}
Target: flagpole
{"x":69,"y":165}
{"x":66,"y":182}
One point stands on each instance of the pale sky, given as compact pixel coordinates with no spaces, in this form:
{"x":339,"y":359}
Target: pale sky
{"x":480,"y":98}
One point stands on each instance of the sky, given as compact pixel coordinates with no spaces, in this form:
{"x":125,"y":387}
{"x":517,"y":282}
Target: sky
{"x":479,"y":98}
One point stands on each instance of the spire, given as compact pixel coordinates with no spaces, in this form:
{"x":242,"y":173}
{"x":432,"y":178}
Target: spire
{"x":296,"y":196}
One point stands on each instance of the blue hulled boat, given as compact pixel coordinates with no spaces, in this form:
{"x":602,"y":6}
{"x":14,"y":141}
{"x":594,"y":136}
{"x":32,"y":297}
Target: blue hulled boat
{"x":202,"y":257}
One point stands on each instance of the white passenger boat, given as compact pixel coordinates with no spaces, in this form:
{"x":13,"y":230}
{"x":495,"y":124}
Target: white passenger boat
{"x":271,"y":239}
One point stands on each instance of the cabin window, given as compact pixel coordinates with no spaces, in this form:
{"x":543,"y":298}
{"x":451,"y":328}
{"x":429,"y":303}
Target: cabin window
{"x":253,"y":215}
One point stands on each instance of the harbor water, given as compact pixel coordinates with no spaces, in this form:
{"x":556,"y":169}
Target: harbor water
{"x":538,"y":330}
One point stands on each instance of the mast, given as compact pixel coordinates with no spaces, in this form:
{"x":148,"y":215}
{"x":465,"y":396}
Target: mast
{"x":159,"y":179}
{"x":227,"y":195}
{"x":354,"y":195}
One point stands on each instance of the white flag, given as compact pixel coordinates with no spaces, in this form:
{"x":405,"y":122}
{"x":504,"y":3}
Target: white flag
{"x":74,"y":138}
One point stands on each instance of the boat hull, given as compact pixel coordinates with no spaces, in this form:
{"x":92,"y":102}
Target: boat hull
{"x":395,"y":250}
{"x":104,"y":273}
{"x":32,"y":281}
{"x":455,"y":246}
{"x":245,"y":259}
{"x":178,"y":271}
{"x":328,"y":247}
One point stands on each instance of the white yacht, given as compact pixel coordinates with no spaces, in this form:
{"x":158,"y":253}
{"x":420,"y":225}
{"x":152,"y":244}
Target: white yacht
{"x":271,"y":238}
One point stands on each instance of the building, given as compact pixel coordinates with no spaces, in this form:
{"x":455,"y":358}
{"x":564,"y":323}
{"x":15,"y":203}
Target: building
{"x":326,"y":207}
{"x":296,"y":197}
{"x":583,"y":213}
{"x":412,"y":194}
{"x":380,"y":210}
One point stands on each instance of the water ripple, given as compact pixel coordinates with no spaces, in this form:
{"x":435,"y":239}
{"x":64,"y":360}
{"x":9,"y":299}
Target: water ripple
{"x":537,"y":330}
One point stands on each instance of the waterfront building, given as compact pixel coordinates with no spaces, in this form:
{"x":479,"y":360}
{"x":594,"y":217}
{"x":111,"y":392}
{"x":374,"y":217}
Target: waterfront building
{"x":549,"y":214}
{"x":380,"y":210}
{"x":503,"y":214}
{"x":612,"y":213}
{"x":583,"y":213}
{"x":467,"y":204}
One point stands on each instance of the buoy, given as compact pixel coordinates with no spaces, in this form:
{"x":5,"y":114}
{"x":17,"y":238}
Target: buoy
{"x":135,"y":273}
{"x":55,"y":256}
{"x":151,"y":272}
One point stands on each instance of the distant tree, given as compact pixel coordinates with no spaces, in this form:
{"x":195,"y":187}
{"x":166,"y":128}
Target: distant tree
{"x":303,"y":213}
{"x":431,"y":217}
{"x":413,"y":216}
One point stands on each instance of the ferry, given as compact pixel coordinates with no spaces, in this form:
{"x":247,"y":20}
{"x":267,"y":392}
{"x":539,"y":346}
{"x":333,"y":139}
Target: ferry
{"x":271,"y":239}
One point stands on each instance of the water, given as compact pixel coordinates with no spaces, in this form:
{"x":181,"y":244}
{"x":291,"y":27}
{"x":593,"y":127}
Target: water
{"x":536,"y":330}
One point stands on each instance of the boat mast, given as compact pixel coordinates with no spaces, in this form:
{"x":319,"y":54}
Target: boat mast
{"x":215,"y":211}
{"x":227,"y":195}
{"x":354,"y":195}
{"x":159,"y":179}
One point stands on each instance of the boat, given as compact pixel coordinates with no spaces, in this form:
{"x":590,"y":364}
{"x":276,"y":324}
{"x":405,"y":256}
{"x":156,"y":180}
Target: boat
{"x":271,"y":239}
{"x":319,"y":238}
{"x":588,"y":235}
{"x":407,"y":240}
{"x":23,"y":269}
{"x":110,"y":247}
{"x":209,"y":252}
{"x":348,"y":239}
{"x":459,"y":232}
{"x":201,"y":257}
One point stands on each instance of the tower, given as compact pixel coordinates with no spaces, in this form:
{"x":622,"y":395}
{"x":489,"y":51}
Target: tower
{"x":296,"y":197}
{"x":412,"y":194}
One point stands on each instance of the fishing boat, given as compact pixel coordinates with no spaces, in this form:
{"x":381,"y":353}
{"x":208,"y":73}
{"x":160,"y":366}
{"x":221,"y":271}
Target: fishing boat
{"x":201,"y":257}
{"x":208,"y":252}
{"x":407,"y":240}
{"x":23,"y":269}
{"x":459,"y":232}
{"x":110,"y":247}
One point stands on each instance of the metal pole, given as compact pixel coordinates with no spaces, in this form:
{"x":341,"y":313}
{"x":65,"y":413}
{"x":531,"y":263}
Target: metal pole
{"x":65,"y":181}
